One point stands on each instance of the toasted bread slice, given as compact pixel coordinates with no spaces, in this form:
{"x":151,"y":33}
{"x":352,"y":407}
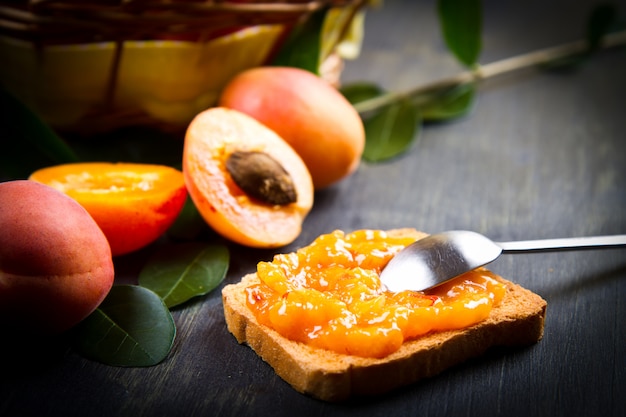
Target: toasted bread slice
{"x":518,"y":320}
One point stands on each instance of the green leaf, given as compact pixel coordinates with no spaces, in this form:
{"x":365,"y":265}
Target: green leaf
{"x":302,"y":49}
{"x":132,"y":327}
{"x":180,"y":272}
{"x":133,"y":144}
{"x":602,"y":19}
{"x":189,"y":224}
{"x":391,"y":131}
{"x":449,"y":104}
{"x":358,"y":92}
{"x":28,"y":143}
{"x":461,"y":25}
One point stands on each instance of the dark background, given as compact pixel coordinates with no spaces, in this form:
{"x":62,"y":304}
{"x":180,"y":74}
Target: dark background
{"x":542,"y":155}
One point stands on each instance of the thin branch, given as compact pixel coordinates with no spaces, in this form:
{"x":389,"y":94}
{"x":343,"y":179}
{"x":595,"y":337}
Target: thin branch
{"x":481,"y":73}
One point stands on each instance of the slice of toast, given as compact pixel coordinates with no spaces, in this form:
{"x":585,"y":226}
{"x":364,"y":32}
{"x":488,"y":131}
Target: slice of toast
{"x":518,"y":320}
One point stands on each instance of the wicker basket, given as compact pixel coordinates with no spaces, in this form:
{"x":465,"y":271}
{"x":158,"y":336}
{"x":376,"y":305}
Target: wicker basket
{"x":95,"y":65}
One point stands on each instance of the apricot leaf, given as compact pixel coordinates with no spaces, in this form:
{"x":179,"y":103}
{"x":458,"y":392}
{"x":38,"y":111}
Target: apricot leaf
{"x":302,"y":48}
{"x":189,"y":224}
{"x":448,"y":104}
{"x":603,"y":18}
{"x":182,"y":271}
{"x":391,"y":131}
{"x":30,"y":143}
{"x":358,"y":92}
{"x":131,"y":327}
{"x":461,"y":25}
{"x":140,"y":144}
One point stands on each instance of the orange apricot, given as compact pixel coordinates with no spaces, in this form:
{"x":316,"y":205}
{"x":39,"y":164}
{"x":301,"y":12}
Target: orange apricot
{"x":55,"y":262}
{"x":134,"y":204}
{"x":307,"y":112}
{"x":248,"y":184}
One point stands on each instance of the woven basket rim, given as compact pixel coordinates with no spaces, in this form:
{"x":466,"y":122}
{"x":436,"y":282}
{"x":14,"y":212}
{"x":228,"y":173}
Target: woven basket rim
{"x":59,"y":21}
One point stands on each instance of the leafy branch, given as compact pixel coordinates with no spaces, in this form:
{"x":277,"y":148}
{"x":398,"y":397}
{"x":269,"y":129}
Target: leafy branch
{"x":543,"y":57}
{"x":392,"y":120}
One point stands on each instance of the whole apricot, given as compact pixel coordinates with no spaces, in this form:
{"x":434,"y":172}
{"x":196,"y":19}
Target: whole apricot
{"x":248,"y":184}
{"x":307,"y":112}
{"x":55,"y":262}
{"x":133,"y":204}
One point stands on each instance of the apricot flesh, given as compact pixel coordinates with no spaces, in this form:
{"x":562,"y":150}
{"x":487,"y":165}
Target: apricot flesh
{"x":133,"y":204}
{"x":212,"y":138}
{"x":307,"y":112}
{"x":55,"y":262}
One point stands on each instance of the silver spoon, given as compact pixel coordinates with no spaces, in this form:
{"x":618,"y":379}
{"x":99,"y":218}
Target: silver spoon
{"x":438,"y":258}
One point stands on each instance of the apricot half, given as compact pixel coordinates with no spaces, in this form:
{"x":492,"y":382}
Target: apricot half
{"x":247,"y":183}
{"x":134,"y":204}
{"x":55,"y":262}
{"x":307,"y":112}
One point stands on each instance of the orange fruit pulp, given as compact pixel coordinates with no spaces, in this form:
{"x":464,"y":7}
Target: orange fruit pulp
{"x":329,"y":295}
{"x":133,"y":204}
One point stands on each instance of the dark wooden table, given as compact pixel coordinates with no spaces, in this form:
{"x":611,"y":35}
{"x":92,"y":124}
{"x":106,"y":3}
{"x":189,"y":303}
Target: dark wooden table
{"x":542,"y":155}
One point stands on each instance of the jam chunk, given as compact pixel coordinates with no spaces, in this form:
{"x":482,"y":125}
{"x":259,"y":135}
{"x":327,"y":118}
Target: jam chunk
{"x":329,"y":295}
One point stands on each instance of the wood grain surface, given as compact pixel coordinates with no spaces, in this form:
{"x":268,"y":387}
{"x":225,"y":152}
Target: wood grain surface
{"x":542,"y":155}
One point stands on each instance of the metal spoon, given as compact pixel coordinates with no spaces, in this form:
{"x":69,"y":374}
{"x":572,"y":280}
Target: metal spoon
{"x":438,"y":258}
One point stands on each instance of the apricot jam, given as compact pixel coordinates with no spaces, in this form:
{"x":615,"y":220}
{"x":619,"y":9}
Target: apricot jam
{"x":329,"y":295}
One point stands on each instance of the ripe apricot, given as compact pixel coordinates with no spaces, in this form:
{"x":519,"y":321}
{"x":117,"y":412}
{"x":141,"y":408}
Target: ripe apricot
{"x":134,"y":204}
{"x":307,"y":112}
{"x":247,"y":183}
{"x":55,"y":262}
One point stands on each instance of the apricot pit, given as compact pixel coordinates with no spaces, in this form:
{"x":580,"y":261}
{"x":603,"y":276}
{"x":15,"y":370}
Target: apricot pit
{"x":261,"y":177}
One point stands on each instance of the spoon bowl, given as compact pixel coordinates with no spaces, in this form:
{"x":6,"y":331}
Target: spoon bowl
{"x":438,"y":258}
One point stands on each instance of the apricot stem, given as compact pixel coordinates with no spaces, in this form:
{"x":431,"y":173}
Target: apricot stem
{"x":491,"y":70}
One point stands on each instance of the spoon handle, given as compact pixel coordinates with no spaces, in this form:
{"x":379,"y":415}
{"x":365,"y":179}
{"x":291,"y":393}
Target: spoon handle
{"x":571,"y":243}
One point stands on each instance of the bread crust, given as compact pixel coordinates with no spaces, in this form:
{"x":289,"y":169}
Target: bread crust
{"x":517,"y":321}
